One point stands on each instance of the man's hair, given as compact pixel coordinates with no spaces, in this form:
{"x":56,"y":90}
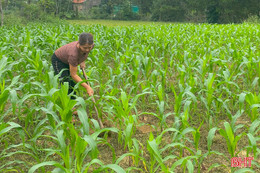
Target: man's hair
{"x":85,"y":38}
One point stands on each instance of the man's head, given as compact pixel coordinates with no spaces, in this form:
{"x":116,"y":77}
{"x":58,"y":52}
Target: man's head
{"x":85,"y":42}
{"x":85,"y":38}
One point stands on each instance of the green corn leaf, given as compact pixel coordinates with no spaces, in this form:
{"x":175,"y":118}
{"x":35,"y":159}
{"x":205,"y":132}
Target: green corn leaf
{"x":215,"y":165}
{"x":14,"y":81}
{"x":4,"y":129}
{"x":3,"y":98}
{"x":244,"y":170}
{"x":210,"y":80}
{"x":236,"y":139}
{"x":159,"y":138}
{"x":83,"y":117}
{"x":190,"y":166}
{"x":81,"y":146}
{"x":93,"y":161}
{"x":193,"y":97}
{"x":125,"y":100}
{"x":229,"y":132}
{"x":188,"y":130}
{"x":81,"y":101}
{"x":93,"y":146}
{"x":236,"y":116}
{"x":153,"y":148}
{"x":151,"y":113}
{"x":7,"y":167}
{"x":113,"y":167}
{"x":99,"y":131}
{"x":49,"y":163}
{"x":229,"y":145}
{"x":95,"y":123}
{"x":253,"y":142}
{"x":161,"y":106}
{"x":254,"y":128}
{"x":122,"y":157}
{"x":134,"y":100}
{"x":40,"y":85}
{"x":52,"y":92}
{"x":172,"y":145}
{"x":3,"y":63}
{"x":181,"y":162}
{"x":255,"y":82}
{"x":61,"y":141}
{"x":255,"y":106}
{"x":129,"y":132}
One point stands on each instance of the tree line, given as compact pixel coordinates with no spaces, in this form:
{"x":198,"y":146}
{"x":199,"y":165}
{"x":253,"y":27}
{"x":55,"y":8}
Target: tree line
{"x":210,"y":11}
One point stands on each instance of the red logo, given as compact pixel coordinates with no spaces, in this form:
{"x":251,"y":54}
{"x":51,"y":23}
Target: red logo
{"x":239,"y":162}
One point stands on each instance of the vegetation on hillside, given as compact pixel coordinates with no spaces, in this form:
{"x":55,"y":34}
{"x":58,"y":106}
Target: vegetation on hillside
{"x":199,"y":11}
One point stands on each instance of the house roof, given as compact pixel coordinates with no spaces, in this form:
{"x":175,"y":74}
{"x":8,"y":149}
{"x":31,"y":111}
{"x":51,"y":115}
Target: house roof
{"x":78,"y":1}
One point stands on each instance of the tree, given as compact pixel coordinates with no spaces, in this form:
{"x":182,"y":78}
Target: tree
{"x":107,"y":7}
{"x":213,"y":11}
{"x":168,"y":10}
{"x":2,"y":13}
{"x":144,"y":5}
{"x":48,"y":6}
{"x":235,"y":11}
{"x":195,"y":10}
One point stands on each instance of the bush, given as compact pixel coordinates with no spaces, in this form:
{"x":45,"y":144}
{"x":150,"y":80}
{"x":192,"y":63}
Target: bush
{"x":253,"y":19}
{"x":98,"y":13}
{"x":125,"y":13}
{"x":13,"y":18}
{"x":29,"y":14}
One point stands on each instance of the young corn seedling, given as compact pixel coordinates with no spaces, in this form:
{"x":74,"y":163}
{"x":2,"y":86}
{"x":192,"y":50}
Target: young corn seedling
{"x":129,"y":131}
{"x":254,"y":102}
{"x":231,"y":138}
{"x":157,"y":161}
{"x":209,"y":95}
{"x":4,"y":96}
{"x":6,"y":88}
{"x":178,"y":100}
{"x":10,"y":150}
{"x":161,"y":106}
{"x":125,"y":111}
{"x":146,"y":66}
{"x":254,"y":138}
{"x":155,"y":155}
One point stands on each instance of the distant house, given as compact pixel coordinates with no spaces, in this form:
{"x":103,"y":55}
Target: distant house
{"x":79,"y":5}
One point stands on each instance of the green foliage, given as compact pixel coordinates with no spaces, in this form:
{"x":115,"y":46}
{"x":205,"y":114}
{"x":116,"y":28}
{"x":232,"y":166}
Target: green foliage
{"x":252,"y":19}
{"x":211,"y":11}
{"x":12,"y":18}
{"x":164,"y":10}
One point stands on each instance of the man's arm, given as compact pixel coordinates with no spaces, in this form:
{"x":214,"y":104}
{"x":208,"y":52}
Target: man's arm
{"x":83,"y":65}
{"x":76,"y":78}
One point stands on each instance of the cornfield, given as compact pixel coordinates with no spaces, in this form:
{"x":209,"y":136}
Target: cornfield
{"x":173,"y":98}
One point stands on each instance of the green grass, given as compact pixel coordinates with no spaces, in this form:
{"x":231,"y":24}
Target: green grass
{"x":112,"y":23}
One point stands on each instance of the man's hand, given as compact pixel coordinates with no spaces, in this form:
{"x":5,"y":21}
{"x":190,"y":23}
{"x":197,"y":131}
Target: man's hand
{"x":82,"y":65}
{"x":76,"y":78}
{"x":90,"y":91}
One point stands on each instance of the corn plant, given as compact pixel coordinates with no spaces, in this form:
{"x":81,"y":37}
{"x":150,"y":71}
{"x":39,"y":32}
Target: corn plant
{"x":4,"y":129}
{"x":231,"y":139}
